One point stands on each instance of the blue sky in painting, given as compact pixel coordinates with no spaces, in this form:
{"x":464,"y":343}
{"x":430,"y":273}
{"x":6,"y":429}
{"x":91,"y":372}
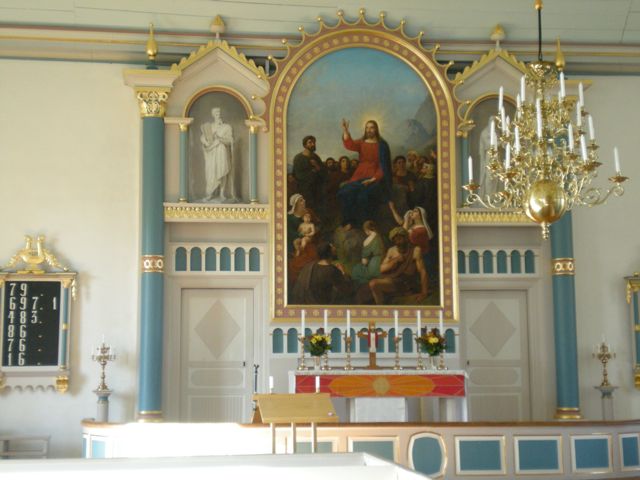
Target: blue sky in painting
{"x":357,"y":84}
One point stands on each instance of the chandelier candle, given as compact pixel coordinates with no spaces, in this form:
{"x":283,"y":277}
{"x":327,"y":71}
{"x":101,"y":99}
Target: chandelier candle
{"x":349,"y":322}
{"x":419,"y":321}
{"x":395,"y":321}
{"x":326,"y":322}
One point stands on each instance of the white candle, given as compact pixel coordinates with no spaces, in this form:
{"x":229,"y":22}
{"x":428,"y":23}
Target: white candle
{"x":493,"y":139}
{"x":516,"y":144}
{"x":326,"y":322}
{"x":303,"y":313}
{"x":395,"y":321}
{"x":581,"y":95}
{"x":103,"y":339}
{"x":441,"y":324}
{"x":419,"y":321}
{"x":270,"y":384}
{"x":539,"y":118}
{"x":570,"y":136}
{"x":578,"y":116}
{"x":348,"y":323}
{"x":583,"y":147}
{"x":507,"y":162}
{"x":503,"y":122}
{"x":501,"y":98}
{"x":518,"y":102}
{"x":616,"y":159}
{"x":470,"y":169}
{"x":592,"y":133}
{"x":562,"y":89}
{"x":317,"y":384}
{"x":522,"y":88}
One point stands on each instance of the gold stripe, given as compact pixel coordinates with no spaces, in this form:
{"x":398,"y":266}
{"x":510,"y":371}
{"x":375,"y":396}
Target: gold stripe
{"x":180,"y":212}
{"x":150,"y":416}
{"x":563,"y":266}
{"x":152,"y":263}
{"x":636,"y":327}
{"x":567,"y":413}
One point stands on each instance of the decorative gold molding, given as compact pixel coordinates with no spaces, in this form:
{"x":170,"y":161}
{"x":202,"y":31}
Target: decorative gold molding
{"x":34,"y":257}
{"x":62,"y":383}
{"x":633,"y":285}
{"x":222,"y":45}
{"x":152,"y":263}
{"x":484,"y":217}
{"x":636,"y":376}
{"x":567,"y":413}
{"x":563,"y":266}
{"x":486,"y":59}
{"x":152,"y":102}
{"x":177,"y":212}
{"x":150,"y":416}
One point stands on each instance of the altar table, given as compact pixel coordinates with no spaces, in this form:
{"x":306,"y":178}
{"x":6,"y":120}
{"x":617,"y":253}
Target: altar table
{"x":363,"y":385}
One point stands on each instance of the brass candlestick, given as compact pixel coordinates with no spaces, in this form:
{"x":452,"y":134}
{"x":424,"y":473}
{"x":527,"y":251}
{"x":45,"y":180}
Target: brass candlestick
{"x":301,"y":360}
{"x":604,"y":353}
{"x":396,"y":342}
{"x":347,"y":343}
{"x":325,"y":361}
{"x":103,"y":354}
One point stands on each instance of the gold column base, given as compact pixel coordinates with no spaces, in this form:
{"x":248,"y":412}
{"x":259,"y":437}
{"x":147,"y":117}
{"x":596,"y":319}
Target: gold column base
{"x":567,"y":413}
{"x":636,"y":377}
{"x":149,"y":416}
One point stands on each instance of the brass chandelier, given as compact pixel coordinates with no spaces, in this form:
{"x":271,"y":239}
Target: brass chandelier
{"x":542,"y":158}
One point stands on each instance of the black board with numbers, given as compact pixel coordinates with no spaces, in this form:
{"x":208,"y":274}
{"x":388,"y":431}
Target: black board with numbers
{"x":31,"y":318}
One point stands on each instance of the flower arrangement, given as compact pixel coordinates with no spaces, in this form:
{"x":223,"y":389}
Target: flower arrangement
{"x":319,"y":344}
{"x":432,"y":342}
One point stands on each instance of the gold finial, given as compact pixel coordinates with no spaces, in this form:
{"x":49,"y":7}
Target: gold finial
{"x":152,"y":45}
{"x":382,"y":14}
{"x":497,"y":35}
{"x":217,"y":26}
{"x":301,"y":29}
{"x":270,"y":58}
{"x":319,"y":19}
{"x":538,"y":5}
{"x":560,"y":62}
{"x":361,"y":12}
{"x":284,"y":41}
{"x":340,"y":13}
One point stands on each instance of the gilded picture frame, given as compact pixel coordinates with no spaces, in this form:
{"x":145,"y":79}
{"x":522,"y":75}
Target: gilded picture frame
{"x":329,"y":48}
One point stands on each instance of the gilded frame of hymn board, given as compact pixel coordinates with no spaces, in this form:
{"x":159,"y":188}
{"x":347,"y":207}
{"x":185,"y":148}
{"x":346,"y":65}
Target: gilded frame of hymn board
{"x":35,"y":318}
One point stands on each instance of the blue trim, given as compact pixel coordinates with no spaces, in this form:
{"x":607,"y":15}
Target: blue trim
{"x":480,"y":455}
{"x":239,"y":260}
{"x":225,"y":259}
{"x":407,"y":340}
{"x":591,"y":453}
{"x":254,"y":260}
{"x":292,"y":340}
{"x":210,"y":259}
{"x":181,"y":259}
{"x":427,"y":455}
{"x":379,"y":448}
{"x":502,"y":261}
{"x":450,"y":338}
{"x":462,"y":267}
{"x":630,"y":452}
{"x":152,"y":209}
{"x":529,"y":262}
{"x":391,"y":344}
{"x":336,"y":340}
{"x":538,"y":454}
{"x":98,"y":449}
{"x":195,"y":262}
{"x":151,"y":335}
{"x":515,"y":262}
{"x":474,"y":262}
{"x":487,"y":261}
{"x":277,"y":341}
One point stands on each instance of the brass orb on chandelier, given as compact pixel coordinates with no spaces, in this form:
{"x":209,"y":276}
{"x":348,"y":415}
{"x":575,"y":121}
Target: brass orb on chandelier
{"x":542,"y":157}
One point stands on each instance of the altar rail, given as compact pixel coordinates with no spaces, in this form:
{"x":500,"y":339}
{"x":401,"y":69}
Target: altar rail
{"x":499,"y":261}
{"x":216,"y":258}
{"x":284,"y":340}
{"x":551,"y":450}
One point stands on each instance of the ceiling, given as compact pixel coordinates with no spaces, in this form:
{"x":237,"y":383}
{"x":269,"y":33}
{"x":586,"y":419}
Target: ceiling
{"x":591,"y":31}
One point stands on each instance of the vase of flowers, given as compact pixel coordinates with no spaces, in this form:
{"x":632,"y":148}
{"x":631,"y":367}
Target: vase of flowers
{"x":319,"y":345}
{"x":432,"y":343}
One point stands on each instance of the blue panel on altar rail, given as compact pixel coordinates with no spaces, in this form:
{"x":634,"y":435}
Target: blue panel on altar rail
{"x":450,"y":338}
{"x":474,"y":262}
{"x":181,"y":260}
{"x":239,"y":260}
{"x":210,"y":259}
{"x":480,"y":455}
{"x":254,"y":260}
{"x":391,"y":345}
{"x":487,"y":262}
{"x":502,"y":261}
{"x":630,"y":452}
{"x":515,"y":262}
{"x":534,"y":454}
{"x":277,"y":341}
{"x":336,"y":340}
{"x":407,"y":340}
{"x":462,"y":267}
{"x":305,"y":447}
{"x":591,"y":453}
{"x":529,"y":262}
{"x":379,"y":448}
{"x":292,"y":340}
{"x":196,"y":260}
{"x":426,"y":454}
{"x":225,"y":260}
{"x":98,"y":449}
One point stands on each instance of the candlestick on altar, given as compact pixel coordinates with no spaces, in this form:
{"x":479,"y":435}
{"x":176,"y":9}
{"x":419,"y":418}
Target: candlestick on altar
{"x":301,"y":359}
{"x":396,"y":342}
{"x":604,"y":353}
{"x":420,"y":363}
{"x":347,"y":346}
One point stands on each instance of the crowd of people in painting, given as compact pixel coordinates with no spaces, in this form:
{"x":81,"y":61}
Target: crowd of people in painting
{"x":362,"y":229}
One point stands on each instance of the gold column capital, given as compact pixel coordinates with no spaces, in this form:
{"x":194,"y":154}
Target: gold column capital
{"x":152,"y":263}
{"x":636,"y":376}
{"x":563,"y":266}
{"x":633,"y":285}
{"x":152,"y":101}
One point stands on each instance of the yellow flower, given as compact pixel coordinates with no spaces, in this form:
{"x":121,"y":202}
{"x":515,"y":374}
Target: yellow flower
{"x":434,"y":340}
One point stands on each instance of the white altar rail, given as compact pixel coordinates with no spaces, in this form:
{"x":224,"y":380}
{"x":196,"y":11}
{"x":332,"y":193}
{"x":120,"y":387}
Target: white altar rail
{"x":499,"y":261}
{"x":549,"y":450}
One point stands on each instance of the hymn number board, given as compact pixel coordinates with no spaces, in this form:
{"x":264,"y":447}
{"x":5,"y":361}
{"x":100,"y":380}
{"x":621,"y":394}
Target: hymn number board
{"x":31,"y":315}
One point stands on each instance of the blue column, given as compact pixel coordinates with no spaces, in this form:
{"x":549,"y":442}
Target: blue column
{"x":184,"y":168}
{"x":152,"y":258}
{"x":253,"y":162}
{"x":633,"y":297}
{"x":564,"y":320}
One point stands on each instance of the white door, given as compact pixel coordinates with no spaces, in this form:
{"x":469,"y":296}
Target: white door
{"x":216,"y":355}
{"x":496,"y":343}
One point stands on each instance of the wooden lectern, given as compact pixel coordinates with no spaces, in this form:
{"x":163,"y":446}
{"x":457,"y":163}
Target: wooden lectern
{"x":294,"y":408}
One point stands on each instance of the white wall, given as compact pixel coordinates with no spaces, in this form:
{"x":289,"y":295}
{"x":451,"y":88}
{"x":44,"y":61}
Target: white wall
{"x":70,"y":170}
{"x":607,"y":248}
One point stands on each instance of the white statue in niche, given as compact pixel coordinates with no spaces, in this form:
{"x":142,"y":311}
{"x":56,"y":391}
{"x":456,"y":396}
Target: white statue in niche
{"x":217,"y":147}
